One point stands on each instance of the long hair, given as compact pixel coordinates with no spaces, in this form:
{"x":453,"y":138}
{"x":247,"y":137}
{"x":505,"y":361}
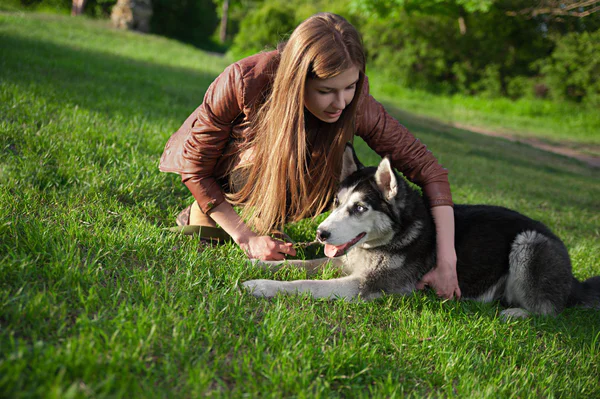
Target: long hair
{"x":294,"y":169}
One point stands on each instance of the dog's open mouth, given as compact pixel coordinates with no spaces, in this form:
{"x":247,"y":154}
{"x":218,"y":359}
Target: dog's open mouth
{"x":331,"y":251}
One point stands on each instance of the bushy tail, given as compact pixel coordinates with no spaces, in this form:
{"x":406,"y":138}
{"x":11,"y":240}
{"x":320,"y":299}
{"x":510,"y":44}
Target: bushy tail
{"x":585,"y":293}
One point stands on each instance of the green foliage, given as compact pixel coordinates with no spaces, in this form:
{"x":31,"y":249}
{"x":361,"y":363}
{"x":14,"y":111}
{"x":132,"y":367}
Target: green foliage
{"x":393,"y":8}
{"x":190,"y":21}
{"x":99,"y":8}
{"x":263,"y":28}
{"x":419,"y":44}
{"x":428,"y":51}
{"x":520,"y":86}
{"x":272,"y":22}
{"x":409,"y":51}
{"x":573,"y":70}
{"x":97,"y":301}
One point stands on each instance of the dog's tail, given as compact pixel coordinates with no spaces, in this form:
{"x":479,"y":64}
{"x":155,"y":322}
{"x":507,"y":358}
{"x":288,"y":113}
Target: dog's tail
{"x":585,"y":293}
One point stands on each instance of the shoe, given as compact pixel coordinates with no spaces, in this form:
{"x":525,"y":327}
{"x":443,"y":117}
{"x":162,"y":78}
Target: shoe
{"x":208,"y":234}
{"x":183,"y":219}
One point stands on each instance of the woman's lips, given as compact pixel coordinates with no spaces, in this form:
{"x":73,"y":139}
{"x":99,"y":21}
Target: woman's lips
{"x":334,"y":114}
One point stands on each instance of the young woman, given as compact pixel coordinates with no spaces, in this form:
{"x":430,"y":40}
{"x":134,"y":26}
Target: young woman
{"x":270,"y":135}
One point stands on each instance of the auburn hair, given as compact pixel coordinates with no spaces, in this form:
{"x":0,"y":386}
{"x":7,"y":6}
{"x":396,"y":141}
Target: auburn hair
{"x":294,"y":168}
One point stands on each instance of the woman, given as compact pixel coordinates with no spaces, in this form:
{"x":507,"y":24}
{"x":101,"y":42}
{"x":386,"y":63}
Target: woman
{"x":270,"y":135}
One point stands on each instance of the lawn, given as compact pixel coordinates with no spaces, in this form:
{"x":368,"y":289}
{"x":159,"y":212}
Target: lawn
{"x":97,"y":300}
{"x":556,"y":123}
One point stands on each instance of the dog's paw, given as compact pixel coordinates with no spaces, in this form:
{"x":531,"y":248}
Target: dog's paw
{"x":262,"y":288}
{"x":514,"y":313}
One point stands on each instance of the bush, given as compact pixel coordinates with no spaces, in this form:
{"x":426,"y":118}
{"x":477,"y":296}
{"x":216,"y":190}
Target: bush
{"x":190,"y":21}
{"x":273,"y":21}
{"x":490,"y":83}
{"x":427,"y":50}
{"x":572,"y":72}
{"x":412,"y":52}
{"x":264,"y":28}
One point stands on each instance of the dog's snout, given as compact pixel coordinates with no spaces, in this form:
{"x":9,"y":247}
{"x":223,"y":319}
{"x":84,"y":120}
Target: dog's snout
{"x":323,"y":235}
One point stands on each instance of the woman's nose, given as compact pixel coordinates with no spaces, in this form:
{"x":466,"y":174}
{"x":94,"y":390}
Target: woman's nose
{"x":339,"y":102}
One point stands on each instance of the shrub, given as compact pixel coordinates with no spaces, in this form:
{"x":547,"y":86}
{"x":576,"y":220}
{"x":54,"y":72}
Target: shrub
{"x":264,"y":28}
{"x":190,"y":21}
{"x":519,"y":86}
{"x":572,"y":72}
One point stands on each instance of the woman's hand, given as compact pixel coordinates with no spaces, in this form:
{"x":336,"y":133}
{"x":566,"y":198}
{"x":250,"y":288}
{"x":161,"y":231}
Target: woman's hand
{"x":442,"y":279}
{"x":266,"y":248}
{"x":255,"y":246}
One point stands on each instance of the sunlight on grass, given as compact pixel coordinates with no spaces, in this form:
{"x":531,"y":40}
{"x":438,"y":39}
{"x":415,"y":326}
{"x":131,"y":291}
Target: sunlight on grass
{"x":97,"y":300}
{"x":562,"y":123}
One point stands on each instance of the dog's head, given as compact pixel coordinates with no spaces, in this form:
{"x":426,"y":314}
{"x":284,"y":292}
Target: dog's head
{"x":366,"y":207}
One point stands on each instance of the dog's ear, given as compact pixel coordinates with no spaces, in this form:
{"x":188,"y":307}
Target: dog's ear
{"x":350,"y":162}
{"x":386,"y":179}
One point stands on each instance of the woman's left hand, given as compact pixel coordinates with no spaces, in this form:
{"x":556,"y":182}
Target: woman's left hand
{"x":442,"y":279}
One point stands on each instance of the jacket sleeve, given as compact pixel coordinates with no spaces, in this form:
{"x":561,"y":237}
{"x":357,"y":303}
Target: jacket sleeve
{"x":210,"y":132}
{"x":387,"y":137}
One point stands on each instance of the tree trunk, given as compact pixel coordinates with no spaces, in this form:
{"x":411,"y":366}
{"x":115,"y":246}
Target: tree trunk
{"x":223,"y":28}
{"x":462,"y":25}
{"x":77,"y":7}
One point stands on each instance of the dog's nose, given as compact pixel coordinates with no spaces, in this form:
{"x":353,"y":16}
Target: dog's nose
{"x":323,"y":235}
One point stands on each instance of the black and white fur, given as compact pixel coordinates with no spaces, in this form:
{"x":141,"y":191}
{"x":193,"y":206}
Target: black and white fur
{"x":502,"y":255}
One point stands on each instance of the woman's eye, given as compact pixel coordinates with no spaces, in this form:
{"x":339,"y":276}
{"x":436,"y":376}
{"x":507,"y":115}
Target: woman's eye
{"x":351,"y":87}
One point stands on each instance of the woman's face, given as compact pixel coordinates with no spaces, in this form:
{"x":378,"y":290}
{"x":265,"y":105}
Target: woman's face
{"x":327,"y":98}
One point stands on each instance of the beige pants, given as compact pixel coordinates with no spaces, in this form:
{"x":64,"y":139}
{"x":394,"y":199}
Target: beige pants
{"x":198,"y":218}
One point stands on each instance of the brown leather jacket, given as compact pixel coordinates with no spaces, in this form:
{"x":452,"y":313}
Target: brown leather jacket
{"x":206,"y":147}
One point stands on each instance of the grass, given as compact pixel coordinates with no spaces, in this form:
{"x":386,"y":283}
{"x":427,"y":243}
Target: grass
{"x":96,"y":300}
{"x":557,"y":123}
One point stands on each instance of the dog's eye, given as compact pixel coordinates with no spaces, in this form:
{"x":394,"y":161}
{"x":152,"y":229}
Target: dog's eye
{"x":360,"y":208}
{"x":336,"y":202}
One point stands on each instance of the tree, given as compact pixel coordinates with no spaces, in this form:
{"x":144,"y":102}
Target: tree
{"x":558,"y":8}
{"x":77,"y":7}
{"x":457,"y":8}
{"x":223,"y":27}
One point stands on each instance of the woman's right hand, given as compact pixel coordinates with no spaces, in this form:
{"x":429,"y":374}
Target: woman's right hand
{"x":255,"y":246}
{"x":266,"y":248}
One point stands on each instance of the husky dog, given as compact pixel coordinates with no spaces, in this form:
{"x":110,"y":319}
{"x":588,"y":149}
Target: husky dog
{"x":382,"y":236}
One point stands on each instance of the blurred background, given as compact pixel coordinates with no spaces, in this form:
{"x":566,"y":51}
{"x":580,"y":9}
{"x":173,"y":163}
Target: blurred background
{"x":492,"y":48}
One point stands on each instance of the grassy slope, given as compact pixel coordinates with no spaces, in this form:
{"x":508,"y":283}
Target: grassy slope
{"x":556,"y":123}
{"x":96,"y":300}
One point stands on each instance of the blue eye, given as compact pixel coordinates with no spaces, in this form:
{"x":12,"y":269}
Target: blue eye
{"x":360,"y":208}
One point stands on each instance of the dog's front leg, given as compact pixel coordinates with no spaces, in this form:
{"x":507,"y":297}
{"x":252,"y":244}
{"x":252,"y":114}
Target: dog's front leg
{"x":344,"y":287}
{"x":311,"y":266}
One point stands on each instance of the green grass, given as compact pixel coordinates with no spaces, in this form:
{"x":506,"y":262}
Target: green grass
{"x":558,"y":123}
{"x":96,"y":300}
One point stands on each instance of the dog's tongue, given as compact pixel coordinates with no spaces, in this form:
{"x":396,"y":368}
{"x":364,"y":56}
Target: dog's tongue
{"x":332,"y":251}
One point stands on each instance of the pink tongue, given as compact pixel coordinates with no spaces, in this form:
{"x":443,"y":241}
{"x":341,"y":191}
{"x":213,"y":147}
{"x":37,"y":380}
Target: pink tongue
{"x":331,"y":251}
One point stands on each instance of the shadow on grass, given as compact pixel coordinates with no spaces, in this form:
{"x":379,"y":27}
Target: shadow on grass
{"x":514,"y":170}
{"x":100,"y":82}
{"x":576,"y":327}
